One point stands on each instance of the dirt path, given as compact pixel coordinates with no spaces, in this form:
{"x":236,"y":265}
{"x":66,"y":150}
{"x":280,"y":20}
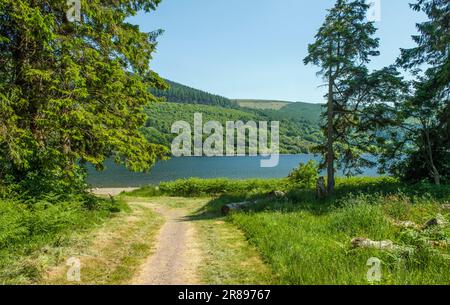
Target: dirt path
{"x":177,"y":254}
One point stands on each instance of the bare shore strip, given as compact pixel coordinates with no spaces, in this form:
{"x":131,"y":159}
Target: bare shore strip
{"x":112,"y":191}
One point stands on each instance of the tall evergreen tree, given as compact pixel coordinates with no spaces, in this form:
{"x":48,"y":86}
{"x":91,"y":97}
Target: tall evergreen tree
{"x":344,"y":45}
{"x":73,"y":92}
{"x":424,"y":118}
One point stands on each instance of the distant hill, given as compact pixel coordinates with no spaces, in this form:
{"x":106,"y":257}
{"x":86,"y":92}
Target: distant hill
{"x":295,"y":136}
{"x":262,"y":104}
{"x":299,"y":122}
{"x":297,"y":111}
{"x":302,"y":112}
{"x":182,"y":94}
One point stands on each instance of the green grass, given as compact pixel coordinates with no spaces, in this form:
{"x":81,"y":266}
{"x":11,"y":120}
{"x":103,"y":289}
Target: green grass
{"x":228,"y":259}
{"x":294,"y":112}
{"x":305,"y":241}
{"x":112,"y":253}
{"x":195,"y":187}
{"x":290,"y":240}
{"x":28,"y":230}
{"x":308,"y":245}
{"x":303,"y":111}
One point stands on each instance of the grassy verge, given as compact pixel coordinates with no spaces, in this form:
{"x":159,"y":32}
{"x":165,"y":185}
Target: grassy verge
{"x":195,"y":187}
{"x":229,"y":258}
{"x":32,"y":235}
{"x":110,"y":238}
{"x":309,"y":242}
{"x":309,"y":248}
{"x":113,"y":253}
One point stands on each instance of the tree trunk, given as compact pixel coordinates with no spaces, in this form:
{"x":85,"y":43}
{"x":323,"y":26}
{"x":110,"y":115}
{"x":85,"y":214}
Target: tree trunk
{"x":330,"y":137}
{"x":434,"y":171}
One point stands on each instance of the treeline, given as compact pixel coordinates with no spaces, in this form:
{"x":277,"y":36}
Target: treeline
{"x":178,"y":93}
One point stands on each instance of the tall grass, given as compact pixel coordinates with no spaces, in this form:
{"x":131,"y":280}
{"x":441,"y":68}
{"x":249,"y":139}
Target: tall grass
{"x":308,"y":245}
{"x":29,"y":228}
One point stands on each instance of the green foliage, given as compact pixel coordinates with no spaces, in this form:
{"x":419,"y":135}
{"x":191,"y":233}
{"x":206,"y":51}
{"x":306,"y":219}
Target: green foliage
{"x":360,"y":216}
{"x":381,"y":186}
{"x":298,"y":111}
{"x":28,"y":227}
{"x":305,"y":176}
{"x":145,"y":191}
{"x":303,"y":111}
{"x":199,"y":187}
{"x":295,"y":136}
{"x":195,"y":187}
{"x":343,"y":47}
{"x":419,"y":132}
{"x":73,"y":92}
{"x":308,"y":244}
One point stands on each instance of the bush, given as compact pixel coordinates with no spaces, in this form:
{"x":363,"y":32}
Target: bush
{"x":210,"y":187}
{"x":305,"y":176}
{"x":146,"y":191}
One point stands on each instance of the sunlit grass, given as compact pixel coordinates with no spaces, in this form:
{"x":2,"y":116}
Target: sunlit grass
{"x":305,"y":247}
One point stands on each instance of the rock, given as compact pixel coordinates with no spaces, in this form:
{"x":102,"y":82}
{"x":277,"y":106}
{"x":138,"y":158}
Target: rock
{"x":228,"y":208}
{"x":386,"y":245}
{"x":445,"y":207}
{"x":279,"y":194}
{"x":360,"y":242}
{"x":405,"y":224}
{"x":438,"y":221}
{"x":321,"y":190}
{"x":439,"y":243}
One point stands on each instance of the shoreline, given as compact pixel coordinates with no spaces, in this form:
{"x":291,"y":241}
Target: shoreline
{"x":112,"y":191}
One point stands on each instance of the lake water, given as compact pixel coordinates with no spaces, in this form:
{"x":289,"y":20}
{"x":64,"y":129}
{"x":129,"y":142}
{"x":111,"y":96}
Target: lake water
{"x":200,"y":167}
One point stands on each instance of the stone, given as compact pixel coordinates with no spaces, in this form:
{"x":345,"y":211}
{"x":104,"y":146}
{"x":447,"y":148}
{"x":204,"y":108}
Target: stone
{"x":438,"y":221}
{"x":321,"y":190}
{"x":360,"y":242}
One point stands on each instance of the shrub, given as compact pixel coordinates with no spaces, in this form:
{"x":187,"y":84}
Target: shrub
{"x":145,"y":191}
{"x":210,"y":187}
{"x":305,"y":176}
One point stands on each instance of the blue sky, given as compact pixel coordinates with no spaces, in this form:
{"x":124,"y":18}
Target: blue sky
{"x":254,"y":48}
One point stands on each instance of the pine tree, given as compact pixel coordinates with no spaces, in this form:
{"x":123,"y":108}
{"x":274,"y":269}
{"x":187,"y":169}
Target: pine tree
{"x":73,"y":92}
{"x":343,"y":45}
{"x":424,"y":118}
